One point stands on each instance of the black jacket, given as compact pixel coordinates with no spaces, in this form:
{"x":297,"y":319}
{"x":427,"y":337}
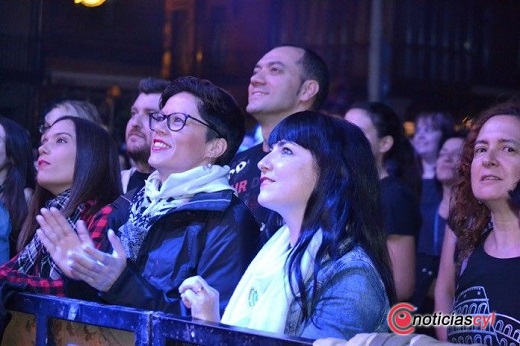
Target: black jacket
{"x":214,"y":236}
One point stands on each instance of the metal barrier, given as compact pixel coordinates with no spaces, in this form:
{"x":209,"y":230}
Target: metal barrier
{"x":50,"y":320}
{"x":165,"y":327}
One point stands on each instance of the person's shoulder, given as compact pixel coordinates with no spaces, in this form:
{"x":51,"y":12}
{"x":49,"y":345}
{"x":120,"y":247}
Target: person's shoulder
{"x":226,"y":194}
{"x":126,"y":173}
{"x":102,"y":213}
{"x":357,"y":254}
{"x":238,"y":204}
{"x":224,"y":201}
{"x":217,"y":201}
{"x":3,"y":210}
{"x":355,"y":271}
{"x":122,"y":203}
{"x":231,"y":205}
{"x":5,"y":220}
{"x":244,"y":165}
{"x":356,"y":258}
{"x":254,"y":151}
{"x":393,"y":183}
{"x":396,"y":189}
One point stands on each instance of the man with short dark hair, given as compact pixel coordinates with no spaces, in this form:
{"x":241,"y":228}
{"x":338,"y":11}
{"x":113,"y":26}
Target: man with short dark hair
{"x":138,"y":135}
{"x":286,"y":80}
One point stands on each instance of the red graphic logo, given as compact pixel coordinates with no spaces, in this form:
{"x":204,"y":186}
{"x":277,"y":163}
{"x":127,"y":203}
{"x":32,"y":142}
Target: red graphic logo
{"x":400,"y":319}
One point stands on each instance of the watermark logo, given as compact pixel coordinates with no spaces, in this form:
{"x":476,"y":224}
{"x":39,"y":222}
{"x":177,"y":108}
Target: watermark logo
{"x":402,"y":321}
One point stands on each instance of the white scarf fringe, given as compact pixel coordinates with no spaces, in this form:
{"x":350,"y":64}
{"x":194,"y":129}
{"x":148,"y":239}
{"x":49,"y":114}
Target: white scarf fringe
{"x":262,"y":298}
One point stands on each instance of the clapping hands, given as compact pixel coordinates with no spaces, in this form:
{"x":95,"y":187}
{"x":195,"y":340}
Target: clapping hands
{"x":75,"y":254}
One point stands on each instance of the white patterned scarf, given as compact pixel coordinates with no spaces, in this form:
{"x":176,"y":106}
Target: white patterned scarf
{"x":262,"y":298}
{"x":156,"y":199}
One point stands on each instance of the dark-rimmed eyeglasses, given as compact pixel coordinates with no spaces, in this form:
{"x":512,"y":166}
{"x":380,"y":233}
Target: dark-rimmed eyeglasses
{"x":175,"y":121}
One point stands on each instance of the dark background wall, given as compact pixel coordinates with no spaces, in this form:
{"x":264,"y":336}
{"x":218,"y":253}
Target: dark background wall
{"x":457,"y":55}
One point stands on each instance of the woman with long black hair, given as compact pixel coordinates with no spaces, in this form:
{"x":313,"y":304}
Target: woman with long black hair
{"x":326,"y":272}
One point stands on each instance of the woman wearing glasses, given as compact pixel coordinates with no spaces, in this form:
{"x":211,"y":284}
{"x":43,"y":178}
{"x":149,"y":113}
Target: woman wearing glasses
{"x":186,"y":221}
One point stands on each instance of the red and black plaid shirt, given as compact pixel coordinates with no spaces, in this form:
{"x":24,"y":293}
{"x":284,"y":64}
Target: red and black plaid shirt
{"x":96,"y":225}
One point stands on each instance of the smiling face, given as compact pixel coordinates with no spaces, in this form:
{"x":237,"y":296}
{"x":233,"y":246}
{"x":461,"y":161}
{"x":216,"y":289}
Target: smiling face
{"x":274,"y":87}
{"x":176,"y":152}
{"x":288,"y":176}
{"x":138,"y":134}
{"x":448,"y":160}
{"x":57,"y":157}
{"x":426,"y":138}
{"x":495,"y":168}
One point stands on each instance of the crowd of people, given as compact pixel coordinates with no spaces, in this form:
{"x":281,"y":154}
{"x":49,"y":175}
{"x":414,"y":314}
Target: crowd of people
{"x":315,"y":232}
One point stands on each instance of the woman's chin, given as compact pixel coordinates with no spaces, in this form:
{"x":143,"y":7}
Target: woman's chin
{"x":268,"y":203}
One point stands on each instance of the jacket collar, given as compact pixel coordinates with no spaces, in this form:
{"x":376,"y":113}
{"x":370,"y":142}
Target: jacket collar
{"x":210,"y":201}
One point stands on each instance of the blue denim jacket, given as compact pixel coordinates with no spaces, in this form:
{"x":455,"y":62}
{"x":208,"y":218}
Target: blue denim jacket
{"x":350,"y":299}
{"x":5,"y":231}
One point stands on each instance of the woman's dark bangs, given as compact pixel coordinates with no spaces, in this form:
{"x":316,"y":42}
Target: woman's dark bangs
{"x":296,"y":129}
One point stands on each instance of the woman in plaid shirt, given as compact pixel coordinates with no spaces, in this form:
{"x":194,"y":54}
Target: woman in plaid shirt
{"x":78,"y":174}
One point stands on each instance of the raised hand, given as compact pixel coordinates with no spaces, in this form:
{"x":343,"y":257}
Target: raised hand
{"x":201,"y":298}
{"x":99,"y":269}
{"x":59,"y":238}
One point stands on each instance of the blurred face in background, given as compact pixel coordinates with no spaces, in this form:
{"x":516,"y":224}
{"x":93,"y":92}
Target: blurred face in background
{"x":448,"y":160}
{"x":426,"y":138}
{"x":138,"y":135}
{"x":361,"y":119}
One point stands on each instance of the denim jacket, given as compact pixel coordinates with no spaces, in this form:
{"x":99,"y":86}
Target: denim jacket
{"x":350,"y":299}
